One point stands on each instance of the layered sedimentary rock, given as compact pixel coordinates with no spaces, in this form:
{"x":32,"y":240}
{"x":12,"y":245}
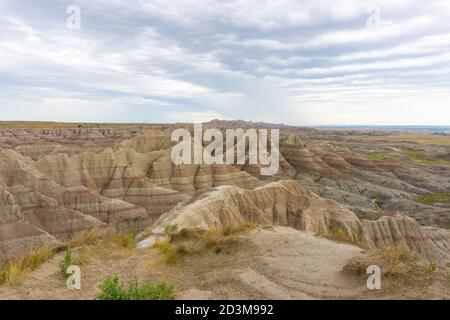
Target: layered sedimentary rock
{"x":17,"y":236}
{"x":282,"y":203}
{"x":126,"y":186}
{"x":433,"y":243}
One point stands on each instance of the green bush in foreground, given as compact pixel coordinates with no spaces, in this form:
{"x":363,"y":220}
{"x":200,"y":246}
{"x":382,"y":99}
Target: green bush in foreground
{"x":114,"y":289}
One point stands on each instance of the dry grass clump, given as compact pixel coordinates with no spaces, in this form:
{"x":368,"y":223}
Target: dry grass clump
{"x":187,"y":235}
{"x":394,"y":261}
{"x":169,"y":253}
{"x":213,"y":237}
{"x":90,"y":237}
{"x":124,"y":240}
{"x":84,"y":255}
{"x":210,"y":237}
{"x":338,"y":233}
{"x":196,"y":241}
{"x":16,"y":271}
{"x":240,"y":227}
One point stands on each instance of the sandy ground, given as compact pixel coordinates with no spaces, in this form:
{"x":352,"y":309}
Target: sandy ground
{"x":264,"y":263}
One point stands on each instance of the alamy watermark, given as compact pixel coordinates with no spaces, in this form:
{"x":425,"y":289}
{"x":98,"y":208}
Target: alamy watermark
{"x":373,"y":22}
{"x":374,"y":280}
{"x":193,"y":152}
{"x":74,"y":280}
{"x":73,"y":21}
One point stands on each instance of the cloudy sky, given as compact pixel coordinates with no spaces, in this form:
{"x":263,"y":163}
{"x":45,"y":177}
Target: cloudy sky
{"x":298,"y":62}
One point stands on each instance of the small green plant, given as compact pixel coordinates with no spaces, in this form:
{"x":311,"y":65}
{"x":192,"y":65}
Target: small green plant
{"x":114,"y":289}
{"x":377,"y":204}
{"x":65,"y":263}
{"x":170,"y":229}
{"x":339,"y":233}
{"x":432,"y":267}
{"x":357,"y":236}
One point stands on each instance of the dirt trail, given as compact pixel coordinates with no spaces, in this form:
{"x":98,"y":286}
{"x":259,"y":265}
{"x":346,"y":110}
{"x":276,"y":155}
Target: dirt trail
{"x":265,"y":263}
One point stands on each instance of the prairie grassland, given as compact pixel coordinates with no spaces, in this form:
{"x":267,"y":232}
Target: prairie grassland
{"x":419,"y":138}
{"x":407,"y":155}
{"x":439,"y":197}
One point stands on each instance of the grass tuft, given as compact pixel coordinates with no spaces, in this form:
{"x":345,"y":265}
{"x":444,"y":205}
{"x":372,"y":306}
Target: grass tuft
{"x":16,"y":271}
{"x":394,"y":261}
{"x":240,"y":227}
{"x":170,"y":255}
{"x":90,"y":237}
{"x":124,"y":240}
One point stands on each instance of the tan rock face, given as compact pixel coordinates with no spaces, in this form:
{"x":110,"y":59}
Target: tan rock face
{"x":281,"y":203}
{"x":54,"y":194}
{"x":18,"y":236}
{"x":433,"y":243}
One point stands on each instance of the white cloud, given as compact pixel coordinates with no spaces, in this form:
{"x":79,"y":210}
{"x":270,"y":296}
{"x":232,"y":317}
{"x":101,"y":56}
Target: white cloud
{"x":282,"y":61}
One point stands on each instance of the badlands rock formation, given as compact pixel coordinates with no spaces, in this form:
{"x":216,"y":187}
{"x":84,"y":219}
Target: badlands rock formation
{"x":287,"y":203}
{"x":54,"y":194}
{"x":55,"y":183}
{"x":281,"y":203}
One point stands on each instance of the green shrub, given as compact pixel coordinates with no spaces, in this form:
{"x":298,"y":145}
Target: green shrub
{"x":114,"y":289}
{"x":170,"y":229}
{"x":67,"y":261}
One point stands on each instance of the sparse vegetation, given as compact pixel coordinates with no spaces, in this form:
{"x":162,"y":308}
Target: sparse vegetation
{"x":432,"y":267}
{"x":90,"y":237}
{"x":84,"y":254}
{"x":114,"y":289}
{"x":339,"y":233}
{"x":410,"y":155}
{"x":67,"y":261}
{"x":210,"y":238}
{"x":420,"y":138}
{"x":16,"y":271}
{"x":188,"y":242}
{"x":439,"y":197}
{"x":240,"y":227}
{"x":357,"y":236}
{"x":169,"y":253}
{"x":124,"y":240}
{"x":377,"y":204}
{"x":170,"y":229}
{"x":394,"y":261}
